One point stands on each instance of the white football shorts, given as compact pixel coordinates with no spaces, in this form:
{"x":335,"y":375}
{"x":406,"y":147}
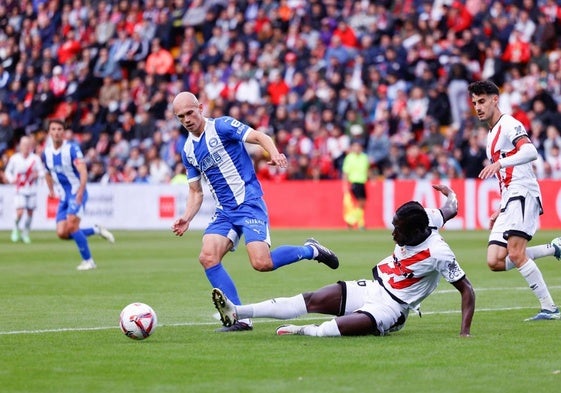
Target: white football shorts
{"x":520,"y":217}
{"x":22,"y":201}
{"x":369,"y":297}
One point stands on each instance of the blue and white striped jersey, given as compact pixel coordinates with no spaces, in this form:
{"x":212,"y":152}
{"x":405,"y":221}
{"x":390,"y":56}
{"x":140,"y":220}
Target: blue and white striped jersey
{"x":219,"y":156}
{"x":60,"y":164}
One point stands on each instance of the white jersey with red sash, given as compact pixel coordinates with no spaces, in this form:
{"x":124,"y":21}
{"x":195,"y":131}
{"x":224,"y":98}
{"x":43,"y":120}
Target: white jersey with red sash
{"x":24,"y":172}
{"x":504,"y":140}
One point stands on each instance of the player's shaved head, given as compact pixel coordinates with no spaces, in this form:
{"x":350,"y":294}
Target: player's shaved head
{"x":185,"y":98}
{"x":188,"y":111}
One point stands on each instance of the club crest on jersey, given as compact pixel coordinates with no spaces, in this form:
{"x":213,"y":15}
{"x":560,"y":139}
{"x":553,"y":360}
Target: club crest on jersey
{"x":519,"y":130}
{"x":213,"y":142}
{"x":453,"y":269}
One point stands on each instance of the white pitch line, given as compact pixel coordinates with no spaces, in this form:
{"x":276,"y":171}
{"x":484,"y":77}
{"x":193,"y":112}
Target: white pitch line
{"x":493,"y":289}
{"x":61,"y":330}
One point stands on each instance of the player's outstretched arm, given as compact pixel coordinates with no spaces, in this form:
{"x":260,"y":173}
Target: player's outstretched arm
{"x":267,"y":143}
{"x":450,"y":207}
{"x":468,"y":304}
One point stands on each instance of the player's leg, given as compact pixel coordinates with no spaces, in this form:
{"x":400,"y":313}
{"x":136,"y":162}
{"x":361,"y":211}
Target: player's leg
{"x":364,"y":308}
{"x":81,"y":240}
{"x":533,"y":276}
{"x":19,"y":205}
{"x":523,"y":215}
{"x":27,"y":226}
{"x":326,"y":300}
{"x":30,"y":205}
{"x":496,"y":256}
{"x":219,"y":238}
{"x":359,"y":192}
{"x":99,"y":230}
{"x":252,"y":220}
{"x":214,"y":248}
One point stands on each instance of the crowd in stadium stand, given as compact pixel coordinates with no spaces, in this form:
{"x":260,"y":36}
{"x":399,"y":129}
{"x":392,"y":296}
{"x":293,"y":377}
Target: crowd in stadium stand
{"x":315,"y":75}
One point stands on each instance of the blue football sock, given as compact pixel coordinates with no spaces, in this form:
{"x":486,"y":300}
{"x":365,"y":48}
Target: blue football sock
{"x":82,"y":243}
{"x":88,"y":231}
{"x":285,"y":255}
{"x":219,"y":278}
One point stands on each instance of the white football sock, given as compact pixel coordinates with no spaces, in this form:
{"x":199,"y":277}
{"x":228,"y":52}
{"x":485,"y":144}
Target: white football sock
{"x":543,"y":250}
{"x":326,"y":329}
{"x":279,"y":308}
{"x":534,"y":278}
{"x":509,"y":264}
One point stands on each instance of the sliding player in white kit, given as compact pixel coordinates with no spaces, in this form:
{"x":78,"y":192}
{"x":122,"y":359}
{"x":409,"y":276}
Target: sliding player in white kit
{"x":24,"y":169}
{"x":511,"y":153}
{"x":401,"y":282}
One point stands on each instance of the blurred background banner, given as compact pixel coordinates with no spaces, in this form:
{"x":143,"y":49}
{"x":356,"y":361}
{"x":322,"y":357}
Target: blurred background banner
{"x":291,"y":204}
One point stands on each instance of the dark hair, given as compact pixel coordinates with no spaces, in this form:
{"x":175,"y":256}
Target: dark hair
{"x":414,"y":214}
{"x":55,"y":121}
{"x":483,"y":87}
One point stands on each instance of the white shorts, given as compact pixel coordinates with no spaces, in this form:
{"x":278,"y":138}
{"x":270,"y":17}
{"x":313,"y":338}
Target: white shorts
{"x":369,"y":297}
{"x":520,"y":217}
{"x":28,"y":202}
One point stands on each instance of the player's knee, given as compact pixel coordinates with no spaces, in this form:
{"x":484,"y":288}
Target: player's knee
{"x":62,"y":234}
{"x":517,"y":257}
{"x":496,"y":265}
{"x":207,"y":260}
{"x":262,"y":264}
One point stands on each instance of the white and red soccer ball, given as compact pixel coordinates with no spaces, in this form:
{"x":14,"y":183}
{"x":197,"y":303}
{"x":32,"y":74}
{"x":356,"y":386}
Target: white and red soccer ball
{"x":138,"y":321}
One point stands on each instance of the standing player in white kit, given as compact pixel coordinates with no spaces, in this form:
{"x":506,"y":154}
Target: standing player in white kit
{"x":24,"y":168}
{"x":511,"y":152}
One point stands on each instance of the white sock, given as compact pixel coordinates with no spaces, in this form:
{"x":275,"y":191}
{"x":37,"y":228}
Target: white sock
{"x":326,"y":329}
{"x":534,"y":278}
{"x":543,"y":250}
{"x":509,"y":264}
{"x":279,"y":308}
{"x":27,"y":223}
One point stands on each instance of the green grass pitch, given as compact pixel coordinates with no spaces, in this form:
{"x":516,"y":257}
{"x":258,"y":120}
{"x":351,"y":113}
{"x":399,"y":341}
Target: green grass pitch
{"x":59,"y":327}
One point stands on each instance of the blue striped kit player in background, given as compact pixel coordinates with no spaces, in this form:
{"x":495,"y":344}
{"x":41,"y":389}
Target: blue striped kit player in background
{"x":215,"y":151}
{"x":66,"y":169}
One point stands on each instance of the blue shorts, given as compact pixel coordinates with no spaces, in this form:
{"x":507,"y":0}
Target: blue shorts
{"x":69,"y":206}
{"x":250,"y":219}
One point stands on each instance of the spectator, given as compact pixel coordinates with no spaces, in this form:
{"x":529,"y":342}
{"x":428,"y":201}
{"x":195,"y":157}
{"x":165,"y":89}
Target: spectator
{"x":364,"y":57}
{"x":473,"y":157}
{"x":159,"y":171}
{"x":106,"y":66}
{"x":6,"y":132}
{"x":160,"y":61}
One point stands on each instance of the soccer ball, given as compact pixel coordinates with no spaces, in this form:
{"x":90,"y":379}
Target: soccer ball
{"x":138,"y":321}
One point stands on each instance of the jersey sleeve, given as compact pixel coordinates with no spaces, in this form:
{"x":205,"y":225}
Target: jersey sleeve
{"x":76,"y":152}
{"x":447,"y":265}
{"x":228,"y":127}
{"x":436,"y":220}
{"x":515,"y":130}
{"x":452,"y":271}
{"x":192,"y":172}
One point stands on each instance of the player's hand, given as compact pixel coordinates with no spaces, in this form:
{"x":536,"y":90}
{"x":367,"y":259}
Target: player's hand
{"x":180,"y":226}
{"x":278,"y":160}
{"x":442,"y":188}
{"x":490,"y":170}
{"x":492,"y":219}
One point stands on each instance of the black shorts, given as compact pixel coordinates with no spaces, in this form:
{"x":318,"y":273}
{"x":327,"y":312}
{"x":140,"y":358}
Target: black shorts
{"x":358,"y":190}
